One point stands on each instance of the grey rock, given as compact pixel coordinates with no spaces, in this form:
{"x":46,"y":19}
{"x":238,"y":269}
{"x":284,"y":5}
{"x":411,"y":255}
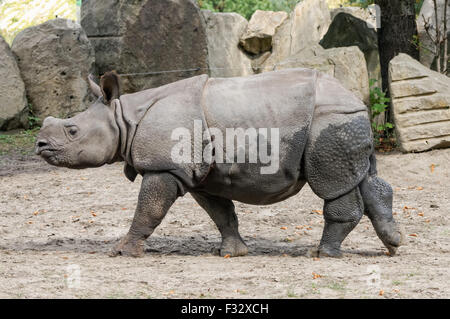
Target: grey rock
{"x":146,"y":36}
{"x":347,"y":64}
{"x":223,"y":31}
{"x":368,"y":15}
{"x":13,"y":102}
{"x":347,"y":30}
{"x":55,"y":59}
{"x":260,"y":30}
{"x":306,"y":26}
{"x":420,"y":105}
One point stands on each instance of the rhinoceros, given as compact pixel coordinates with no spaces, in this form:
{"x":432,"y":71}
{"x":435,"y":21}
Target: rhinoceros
{"x":320,"y":133}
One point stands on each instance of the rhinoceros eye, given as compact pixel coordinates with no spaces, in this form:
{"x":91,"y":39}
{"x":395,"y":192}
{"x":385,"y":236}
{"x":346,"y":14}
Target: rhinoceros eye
{"x":72,"y":130}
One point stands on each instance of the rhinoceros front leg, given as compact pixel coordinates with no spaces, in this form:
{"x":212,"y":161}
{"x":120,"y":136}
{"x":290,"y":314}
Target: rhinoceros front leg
{"x":158,"y":192}
{"x":221,"y":211}
{"x":341,"y":216}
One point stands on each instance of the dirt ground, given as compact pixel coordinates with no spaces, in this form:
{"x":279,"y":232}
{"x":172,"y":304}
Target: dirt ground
{"x":57,"y":225}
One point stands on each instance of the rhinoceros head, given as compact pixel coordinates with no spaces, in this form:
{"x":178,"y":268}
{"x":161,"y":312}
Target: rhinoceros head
{"x":89,"y":139}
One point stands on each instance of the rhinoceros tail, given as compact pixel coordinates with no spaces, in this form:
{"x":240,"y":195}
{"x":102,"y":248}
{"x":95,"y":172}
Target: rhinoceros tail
{"x":373,"y":165}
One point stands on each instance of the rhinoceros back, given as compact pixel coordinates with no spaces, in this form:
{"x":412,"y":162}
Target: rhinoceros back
{"x":340,"y":140}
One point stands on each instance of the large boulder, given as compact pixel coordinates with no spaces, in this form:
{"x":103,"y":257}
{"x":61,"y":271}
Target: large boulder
{"x":427,"y":14}
{"x":223,"y":31}
{"x":310,"y":21}
{"x":345,"y":64}
{"x":347,"y":30}
{"x":420,"y":105}
{"x":55,"y":59}
{"x":260,"y":30}
{"x":139,"y":39}
{"x":13,"y":102}
{"x":306,"y":25}
{"x":368,"y":15}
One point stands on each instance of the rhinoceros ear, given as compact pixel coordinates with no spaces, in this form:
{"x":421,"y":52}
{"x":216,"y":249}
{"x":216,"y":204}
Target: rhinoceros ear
{"x":94,"y":86}
{"x":110,"y":86}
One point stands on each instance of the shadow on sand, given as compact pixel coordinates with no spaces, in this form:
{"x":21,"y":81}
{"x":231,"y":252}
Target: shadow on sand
{"x":173,"y":245}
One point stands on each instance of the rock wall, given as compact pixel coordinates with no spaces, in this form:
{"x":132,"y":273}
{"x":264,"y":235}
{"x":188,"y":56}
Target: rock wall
{"x":155,"y":42}
{"x":13,"y":102}
{"x":420,"y":105}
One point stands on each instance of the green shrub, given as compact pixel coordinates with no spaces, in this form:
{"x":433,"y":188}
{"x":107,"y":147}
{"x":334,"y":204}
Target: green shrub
{"x":34,"y":122}
{"x":247,"y":7}
{"x":379,"y":103}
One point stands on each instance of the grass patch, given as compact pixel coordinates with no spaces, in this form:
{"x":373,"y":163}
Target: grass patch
{"x":18,"y":142}
{"x":315,"y":289}
{"x":336,"y":285}
{"x":291,"y":293}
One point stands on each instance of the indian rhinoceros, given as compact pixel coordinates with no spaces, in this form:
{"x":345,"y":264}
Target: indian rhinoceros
{"x":323,"y":135}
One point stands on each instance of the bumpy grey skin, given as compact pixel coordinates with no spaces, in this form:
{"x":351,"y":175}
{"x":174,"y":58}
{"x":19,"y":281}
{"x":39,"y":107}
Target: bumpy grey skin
{"x":325,"y":141}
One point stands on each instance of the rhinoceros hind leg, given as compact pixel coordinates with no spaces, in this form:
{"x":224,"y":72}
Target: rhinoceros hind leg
{"x":341,"y":216}
{"x":377,"y":197}
{"x":221,"y":211}
{"x":158,"y":192}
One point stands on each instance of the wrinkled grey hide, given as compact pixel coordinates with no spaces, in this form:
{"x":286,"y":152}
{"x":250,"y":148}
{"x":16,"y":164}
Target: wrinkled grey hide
{"x":325,"y":141}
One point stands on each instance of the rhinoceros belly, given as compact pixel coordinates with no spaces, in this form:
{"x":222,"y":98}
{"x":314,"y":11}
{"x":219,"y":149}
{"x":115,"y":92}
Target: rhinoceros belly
{"x":242,"y":182}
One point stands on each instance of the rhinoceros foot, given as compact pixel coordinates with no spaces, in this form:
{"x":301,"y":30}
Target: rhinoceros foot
{"x":232,"y":247}
{"x":323,"y":251}
{"x":128,"y":247}
{"x":392,"y":236}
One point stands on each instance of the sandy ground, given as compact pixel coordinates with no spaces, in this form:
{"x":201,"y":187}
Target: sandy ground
{"x":57,"y":225}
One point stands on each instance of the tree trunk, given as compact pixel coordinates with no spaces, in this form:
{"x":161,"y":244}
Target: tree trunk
{"x":398,"y":28}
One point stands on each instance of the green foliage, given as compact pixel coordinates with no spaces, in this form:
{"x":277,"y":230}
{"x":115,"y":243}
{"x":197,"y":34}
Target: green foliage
{"x":33,"y":121}
{"x":361,"y":3}
{"x":247,"y":7}
{"x":16,"y":15}
{"x":383,"y":134}
{"x":418,"y":5}
{"x":366,"y":3}
{"x":378,"y":105}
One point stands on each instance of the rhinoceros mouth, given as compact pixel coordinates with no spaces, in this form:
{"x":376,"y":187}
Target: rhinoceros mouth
{"x":46,"y":152}
{"x":51,"y":157}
